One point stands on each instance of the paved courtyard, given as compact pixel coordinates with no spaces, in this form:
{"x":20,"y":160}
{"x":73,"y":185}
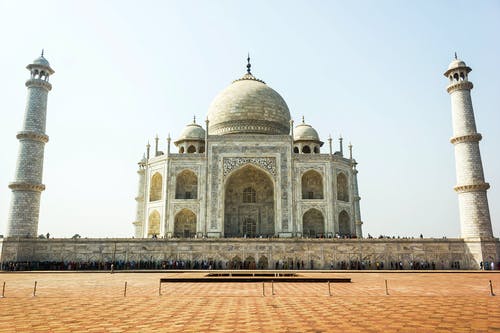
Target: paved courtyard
{"x":95,"y":302}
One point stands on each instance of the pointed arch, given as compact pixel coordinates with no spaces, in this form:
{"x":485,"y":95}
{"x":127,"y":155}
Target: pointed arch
{"x":263,"y":263}
{"x":313,"y":223}
{"x":185,"y":224}
{"x":155,"y":187}
{"x":186,"y":185}
{"x":344,"y":224}
{"x":154,"y":223}
{"x":249,"y":203}
{"x":191,"y":149}
{"x":312,"y":185}
{"x":342,"y":187}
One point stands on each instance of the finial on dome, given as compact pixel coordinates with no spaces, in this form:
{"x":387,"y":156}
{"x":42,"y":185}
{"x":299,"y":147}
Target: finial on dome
{"x":194,"y":119}
{"x":248,"y":64}
{"x":303,"y":121}
{"x":456,"y":56}
{"x":42,"y":53}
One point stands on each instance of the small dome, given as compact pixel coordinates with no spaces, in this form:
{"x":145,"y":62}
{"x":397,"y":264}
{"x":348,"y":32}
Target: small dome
{"x":192,"y":131}
{"x":41,"y":61}
{"x":250,"y":106}
{"x":456,"y":63}
{"x":305,"y":132}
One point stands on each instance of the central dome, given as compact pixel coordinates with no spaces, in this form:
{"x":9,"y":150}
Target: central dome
{"x":250,"y":106}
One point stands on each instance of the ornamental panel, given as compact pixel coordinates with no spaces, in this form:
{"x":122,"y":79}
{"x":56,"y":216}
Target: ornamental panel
{"x":266,"y":163}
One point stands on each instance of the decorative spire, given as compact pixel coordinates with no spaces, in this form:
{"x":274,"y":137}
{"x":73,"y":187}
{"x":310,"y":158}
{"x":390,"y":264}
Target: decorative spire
{"x":194,"y":119}
{"x":42,"y":54}
{"x":330,"y":143}
{"x":341,"y":145}
{"x":303,"y":121}
{"x":350,"y":151}
{"x":456,"y":56}
{"x":248,"y":75}
{"x":156,"y":144}
{"x":248,"y":64}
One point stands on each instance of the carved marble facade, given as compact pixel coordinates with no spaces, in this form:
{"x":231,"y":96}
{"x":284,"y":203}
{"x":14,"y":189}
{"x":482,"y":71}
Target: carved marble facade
{"x":249,"y":186}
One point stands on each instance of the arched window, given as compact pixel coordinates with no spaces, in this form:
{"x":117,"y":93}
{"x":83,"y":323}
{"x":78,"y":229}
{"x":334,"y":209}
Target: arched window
{"x":201,"y":150}
{"x":154,"y":224}
{"x":186,"y":186}
{"x":296,"y":150}
{"x":185,"y":224}
{"x":316,"y":150}
{"x":249,"y":195}
{"x":181,"y":150}
{"x":312,"y":185}
{"x":344,"y":224}
{"x":306,"y":150}
{"x":155,"y":188}
{"x":191,"y":149}
{"x":313,"y":223}
{"x":342,"y":190}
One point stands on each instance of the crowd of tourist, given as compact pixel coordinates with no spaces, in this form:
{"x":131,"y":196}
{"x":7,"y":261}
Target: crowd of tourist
{"x":234,"y":264}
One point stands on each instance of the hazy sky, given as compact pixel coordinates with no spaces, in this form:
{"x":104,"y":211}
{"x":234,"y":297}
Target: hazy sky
{"x":369,"y":70}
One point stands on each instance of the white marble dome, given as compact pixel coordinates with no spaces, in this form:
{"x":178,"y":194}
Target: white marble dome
{"x":192,"y":131}
{"x":41,"y":61}
{"x":305,"y":132}
{"x":456,"y":63}
{"x":250,"y":106}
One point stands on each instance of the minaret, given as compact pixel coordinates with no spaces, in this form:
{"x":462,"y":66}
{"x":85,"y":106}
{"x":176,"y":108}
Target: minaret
{"x":141,"y":191}
{"x":471,"y":188}
{"x":27,"y":186}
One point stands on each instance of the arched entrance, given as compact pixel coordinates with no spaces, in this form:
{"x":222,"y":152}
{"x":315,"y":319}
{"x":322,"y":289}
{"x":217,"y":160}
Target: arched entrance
{"x":249,"y":203}
{"x":249,"y":263}
{"x":344,"y":222}
{"x":185,"y":224}
{"x":313,"y":223}
{"x":263,"y":263}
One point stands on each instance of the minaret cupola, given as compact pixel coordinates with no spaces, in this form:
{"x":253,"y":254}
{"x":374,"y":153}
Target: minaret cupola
{"x":192,"y":139}
{"x":306,"y":139}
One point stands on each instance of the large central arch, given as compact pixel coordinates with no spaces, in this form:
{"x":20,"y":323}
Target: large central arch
{"x":249,"y":203}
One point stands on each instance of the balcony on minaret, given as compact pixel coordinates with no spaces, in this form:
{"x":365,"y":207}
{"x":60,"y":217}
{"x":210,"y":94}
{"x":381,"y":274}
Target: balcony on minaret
{"x":40,"y":70}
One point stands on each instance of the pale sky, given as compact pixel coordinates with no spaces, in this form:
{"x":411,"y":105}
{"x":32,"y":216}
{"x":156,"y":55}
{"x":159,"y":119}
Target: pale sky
{"x":369,"y":70}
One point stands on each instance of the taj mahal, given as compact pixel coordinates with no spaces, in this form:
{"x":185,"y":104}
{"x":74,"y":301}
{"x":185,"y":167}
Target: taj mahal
{"x":253,"y":185}
{"x":249,"y":173}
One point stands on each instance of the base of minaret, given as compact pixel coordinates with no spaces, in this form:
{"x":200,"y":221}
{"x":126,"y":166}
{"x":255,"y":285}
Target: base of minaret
{"x":483,"y":251}
{"x":24,"y":209}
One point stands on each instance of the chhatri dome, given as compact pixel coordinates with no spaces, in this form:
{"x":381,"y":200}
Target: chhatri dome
{"x":192,"y":131}
{"x":305,"y":132}
{"x":250,"y":106}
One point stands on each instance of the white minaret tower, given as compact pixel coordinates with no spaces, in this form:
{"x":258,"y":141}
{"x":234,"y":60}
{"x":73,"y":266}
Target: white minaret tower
{"x":471,"y":188}
{"x":27,"y":186}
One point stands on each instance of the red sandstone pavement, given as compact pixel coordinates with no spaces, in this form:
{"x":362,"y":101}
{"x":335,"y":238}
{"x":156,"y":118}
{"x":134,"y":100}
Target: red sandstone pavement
{"x":94,"y":302}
